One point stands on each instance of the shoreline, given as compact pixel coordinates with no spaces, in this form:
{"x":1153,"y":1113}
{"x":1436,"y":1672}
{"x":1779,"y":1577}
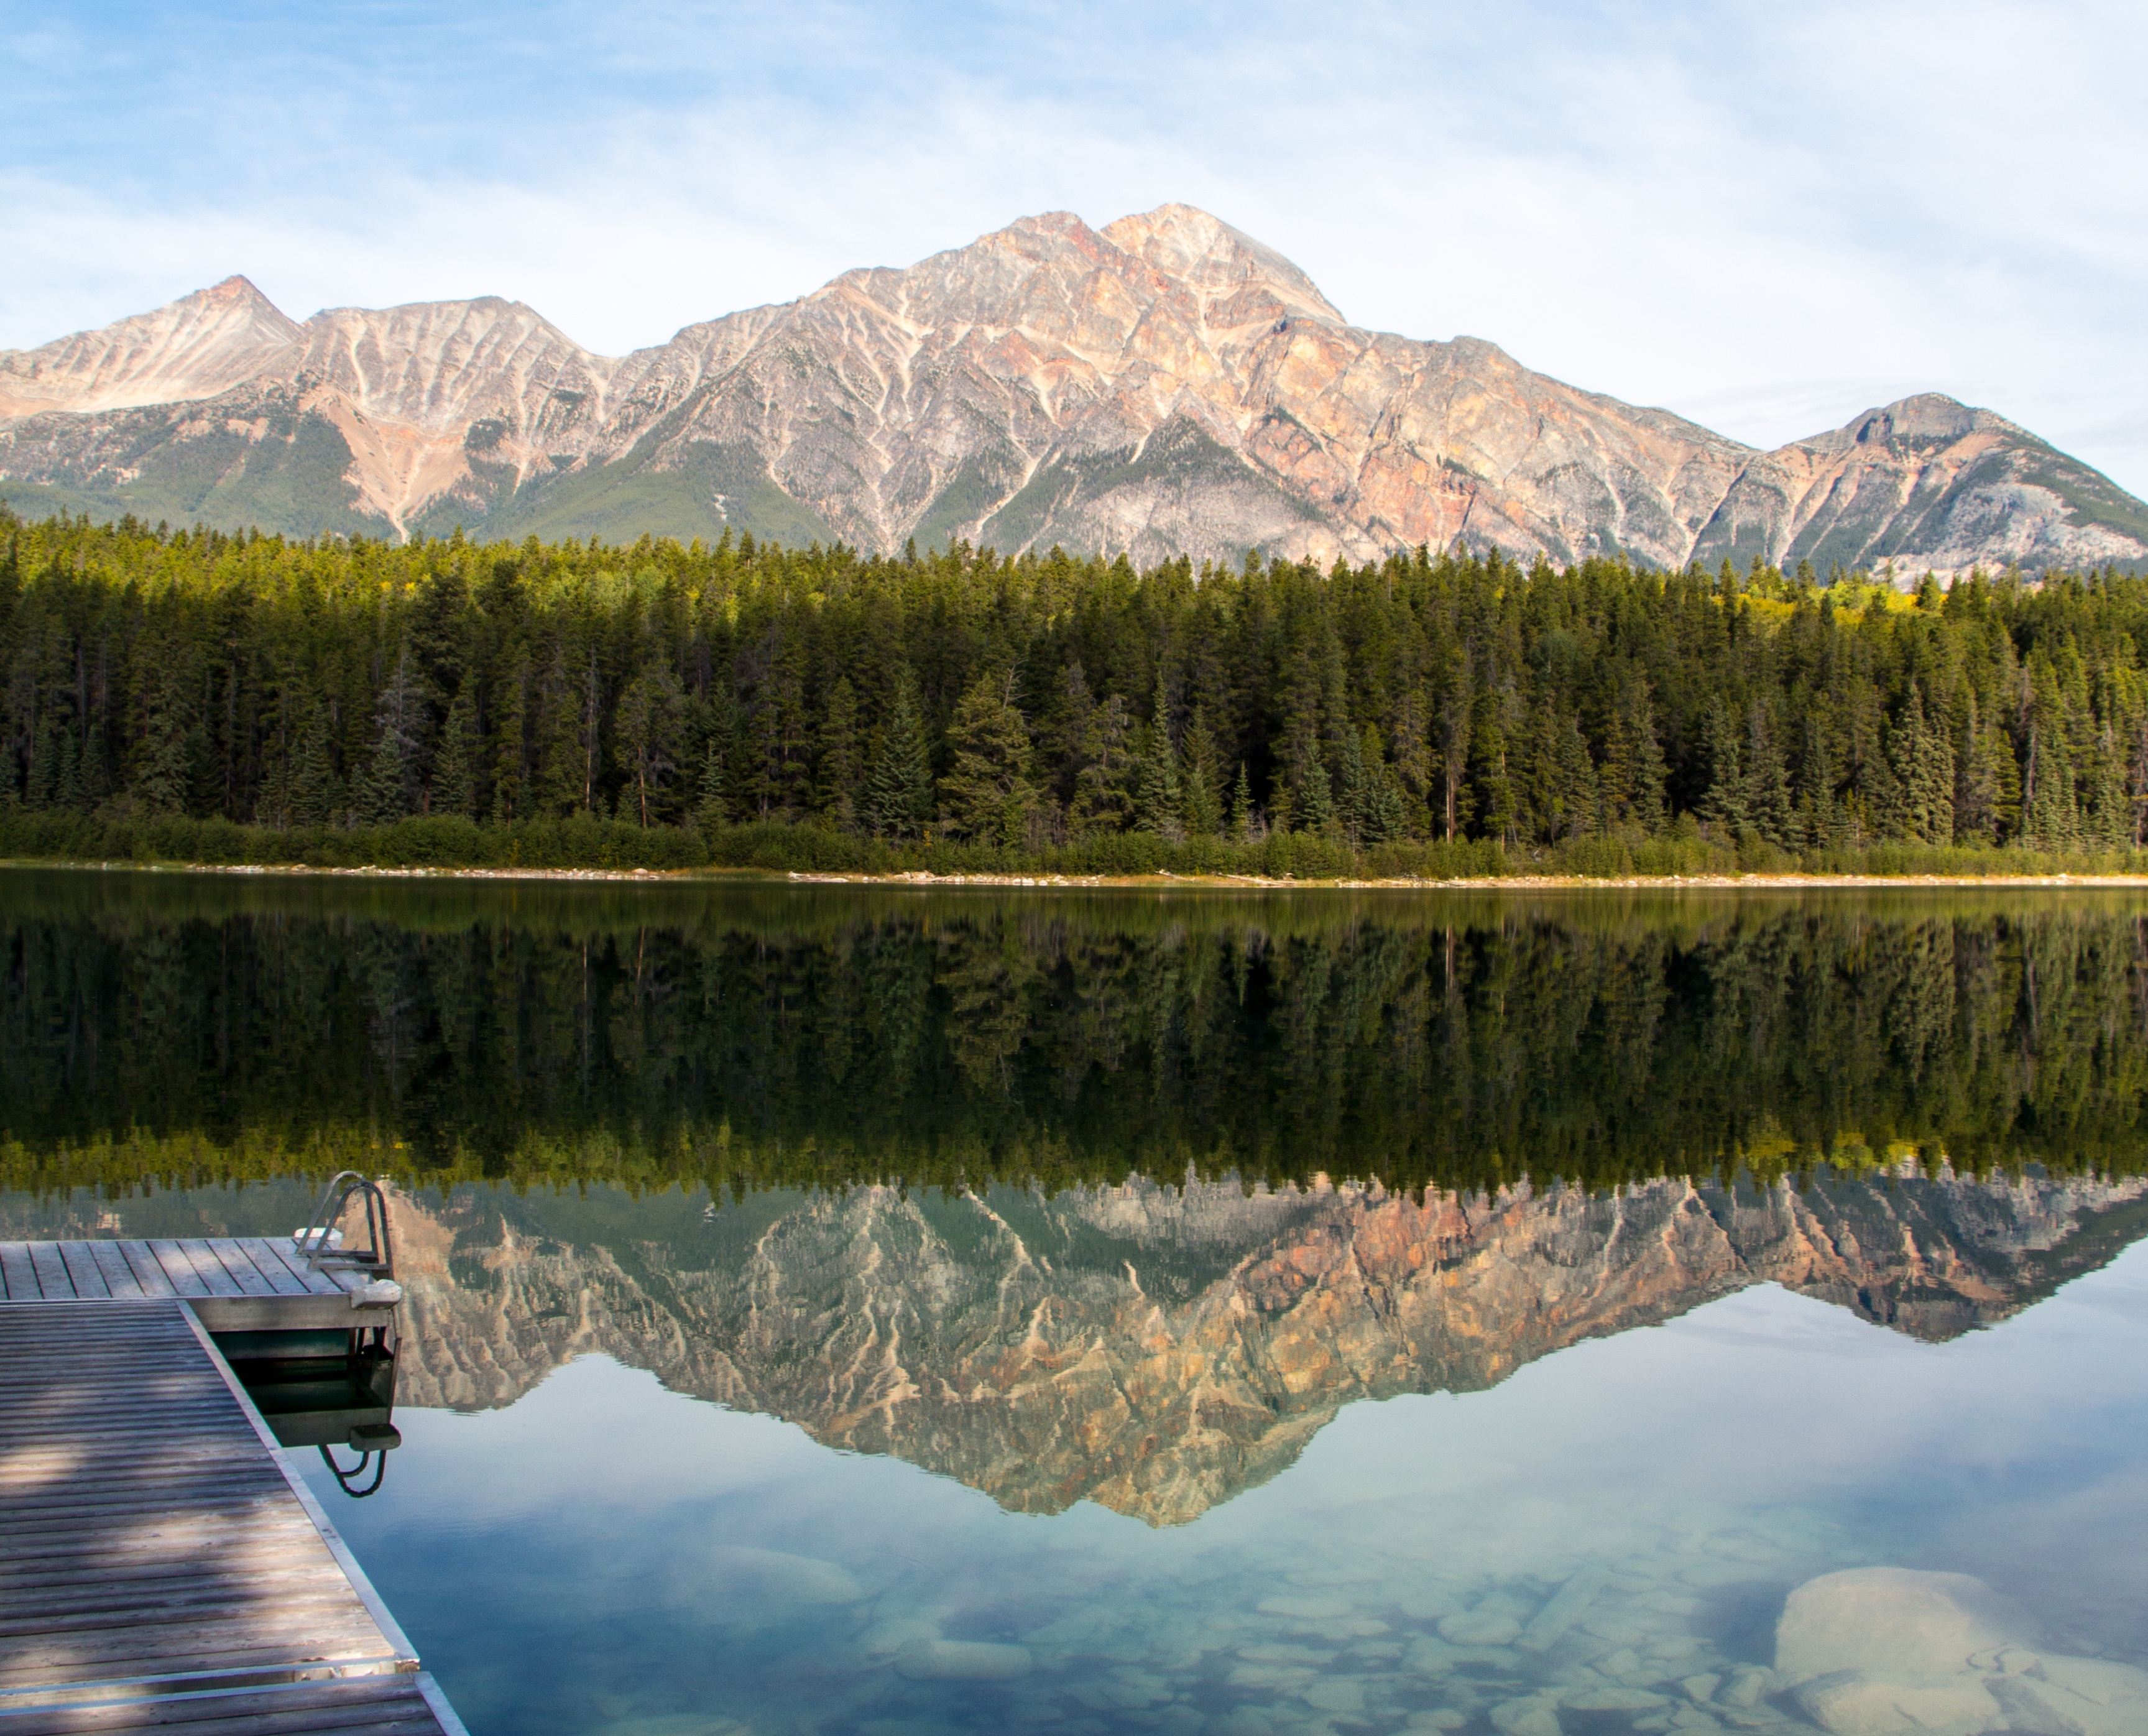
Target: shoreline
{"x":925,"y":879}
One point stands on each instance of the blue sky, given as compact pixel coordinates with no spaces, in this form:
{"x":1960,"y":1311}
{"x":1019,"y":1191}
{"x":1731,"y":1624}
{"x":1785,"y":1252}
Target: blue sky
{"x":1765,"y":217}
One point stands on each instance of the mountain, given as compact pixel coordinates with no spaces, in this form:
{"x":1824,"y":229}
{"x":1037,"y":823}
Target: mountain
{"x":1163,"y":386}
{"x":1159,"y":1349}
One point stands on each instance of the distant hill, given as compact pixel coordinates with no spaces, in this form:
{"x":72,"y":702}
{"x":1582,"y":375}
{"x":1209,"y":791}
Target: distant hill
{"x":1164,"y":386}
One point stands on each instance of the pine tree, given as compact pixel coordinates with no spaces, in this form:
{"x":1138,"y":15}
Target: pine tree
{"x":389,"y":790}
{"x":1723,"y":802}
{"x":1103,"y":788}
{"x":899,"y":787}
{"x":1354,"y":798}
{"x":836,"y":759}
{"x":458,"y":775}
{"x":1385,"y":818}
{"x":1242,"y":808}
{"x":1157,"y":807}
{"x":1410,"y":750}
{"x":711,"y":809}
{"x":987,"y":796}
{"x":160,"y":774}
{"x":1769,"y":807}
{"x":511,"y":764}
{"x":1201,"y":782}
{"x":1922,"y":760}
{"x":713,"y":806}
{"x":316,"y":797}
{"x":565,"y":737}
{"x":1573,"y":784}
{"x":1314,"y":807}
{"x":1632,"y":774}
{"x":646,"y":742}
{"x":1455,"y":733}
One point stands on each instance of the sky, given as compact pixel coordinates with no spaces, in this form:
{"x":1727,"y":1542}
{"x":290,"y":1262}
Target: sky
{"x":1767,"y":217}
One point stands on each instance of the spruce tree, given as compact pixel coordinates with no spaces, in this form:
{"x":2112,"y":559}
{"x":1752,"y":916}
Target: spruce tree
{"x":1355,"y":797}
{"x":899,"y":787}
{"x":1385,"y":816}
{"x":645,"y":743}
{"x":1157,"y":807}
{"x":459,"y":774}
{"x":1103,"y":788}
{"x":510,"y":763}
{"x":836,"y":759}
{"x":1200,"y":791}
{"x":389,"y":790}
{"x":1315,"y":808}
{"x":987,"y":796}
{"x":161,"y":770}
{"x":315,"y":798}
{"x":1769,"y":807}
{"x":1723,"y":804}
{"x":1242,"y":808}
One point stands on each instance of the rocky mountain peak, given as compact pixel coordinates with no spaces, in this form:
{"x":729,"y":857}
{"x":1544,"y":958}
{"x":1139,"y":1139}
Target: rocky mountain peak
{"x":1925,"y":416}
{"x":196,"y":347}
{"x":1186,"y":243}
{"x":1164,"y":386}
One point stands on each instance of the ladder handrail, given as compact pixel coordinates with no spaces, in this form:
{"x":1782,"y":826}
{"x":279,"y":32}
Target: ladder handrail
{"x":377,"y":1258}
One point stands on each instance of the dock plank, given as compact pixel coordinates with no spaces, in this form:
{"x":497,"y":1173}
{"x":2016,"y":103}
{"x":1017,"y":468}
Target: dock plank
{"x":19,"y":1274}
{"x":82,"y":1269}
{"x":237,"y":1265}
{"x":202,"y":1256}
{"x":52,"y":1279}
{"x":367,"y":1706}
{"x":280,"y":1277}
{"x":160,"y":1566}
{"x":317,"y":1283}
{"x":118,"y":1276}
{"x":148,"y":1271}
{"x":177,"y":1269}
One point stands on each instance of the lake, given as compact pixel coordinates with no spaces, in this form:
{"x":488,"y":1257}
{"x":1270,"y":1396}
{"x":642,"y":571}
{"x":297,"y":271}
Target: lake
{"x":903,"y":1310}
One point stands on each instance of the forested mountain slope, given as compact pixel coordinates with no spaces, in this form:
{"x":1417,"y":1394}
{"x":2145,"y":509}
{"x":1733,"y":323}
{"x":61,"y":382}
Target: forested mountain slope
{"x":1165,"y":386}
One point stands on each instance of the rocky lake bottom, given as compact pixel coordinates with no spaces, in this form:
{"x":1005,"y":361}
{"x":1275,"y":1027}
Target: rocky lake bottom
{"x":1616,"y":1538}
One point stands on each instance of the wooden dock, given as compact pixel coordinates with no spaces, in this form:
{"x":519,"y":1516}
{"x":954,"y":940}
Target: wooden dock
{"x":234,"y":1283}
{"x":162,"y":1566}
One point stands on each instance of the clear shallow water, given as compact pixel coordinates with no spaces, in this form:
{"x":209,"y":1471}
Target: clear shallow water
{"x":887,"y":1314}
{"x":584,"y":1560}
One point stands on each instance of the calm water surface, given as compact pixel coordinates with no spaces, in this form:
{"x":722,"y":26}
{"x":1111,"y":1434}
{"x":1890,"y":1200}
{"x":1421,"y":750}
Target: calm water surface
{"x":840,"y":1311}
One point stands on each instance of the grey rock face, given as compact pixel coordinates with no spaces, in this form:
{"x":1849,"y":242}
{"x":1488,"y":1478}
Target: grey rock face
{"x":1163,"y":386}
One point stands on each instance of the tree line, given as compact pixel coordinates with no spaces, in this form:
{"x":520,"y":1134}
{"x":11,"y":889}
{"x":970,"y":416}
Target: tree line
{"x":175,"y":1030}
{"x":1022,"y":705}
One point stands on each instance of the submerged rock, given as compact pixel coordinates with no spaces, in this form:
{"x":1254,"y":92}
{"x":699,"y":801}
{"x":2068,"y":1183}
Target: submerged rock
{"x":884,"y":1639}
{"x":961,"y":1660}
{"x":781,"y":1577}
{"x":2074,"y":1696}
{"x":1534,"y":1717}
{"x":1480,"y":1628}
{"x":1867,"y":1703}
{"x":1887,"y":1651}
{"x":1895,"y":1622}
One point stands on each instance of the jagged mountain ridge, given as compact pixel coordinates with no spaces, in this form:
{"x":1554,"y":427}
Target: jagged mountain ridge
{"x":1158,"y":1350}
{"x":1165,"y":385}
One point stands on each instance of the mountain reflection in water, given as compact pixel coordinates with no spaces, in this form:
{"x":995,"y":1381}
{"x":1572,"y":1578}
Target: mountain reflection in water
{"x":1158,"y":1350}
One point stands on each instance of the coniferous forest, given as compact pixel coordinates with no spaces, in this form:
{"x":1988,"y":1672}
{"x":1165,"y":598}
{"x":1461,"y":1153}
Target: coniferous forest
{"x":196,"y":695}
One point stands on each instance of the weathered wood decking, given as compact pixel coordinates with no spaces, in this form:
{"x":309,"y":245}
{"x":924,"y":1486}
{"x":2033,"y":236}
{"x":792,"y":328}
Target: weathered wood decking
{"x":160,"y":1565}
{"x":236,"y":1283}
